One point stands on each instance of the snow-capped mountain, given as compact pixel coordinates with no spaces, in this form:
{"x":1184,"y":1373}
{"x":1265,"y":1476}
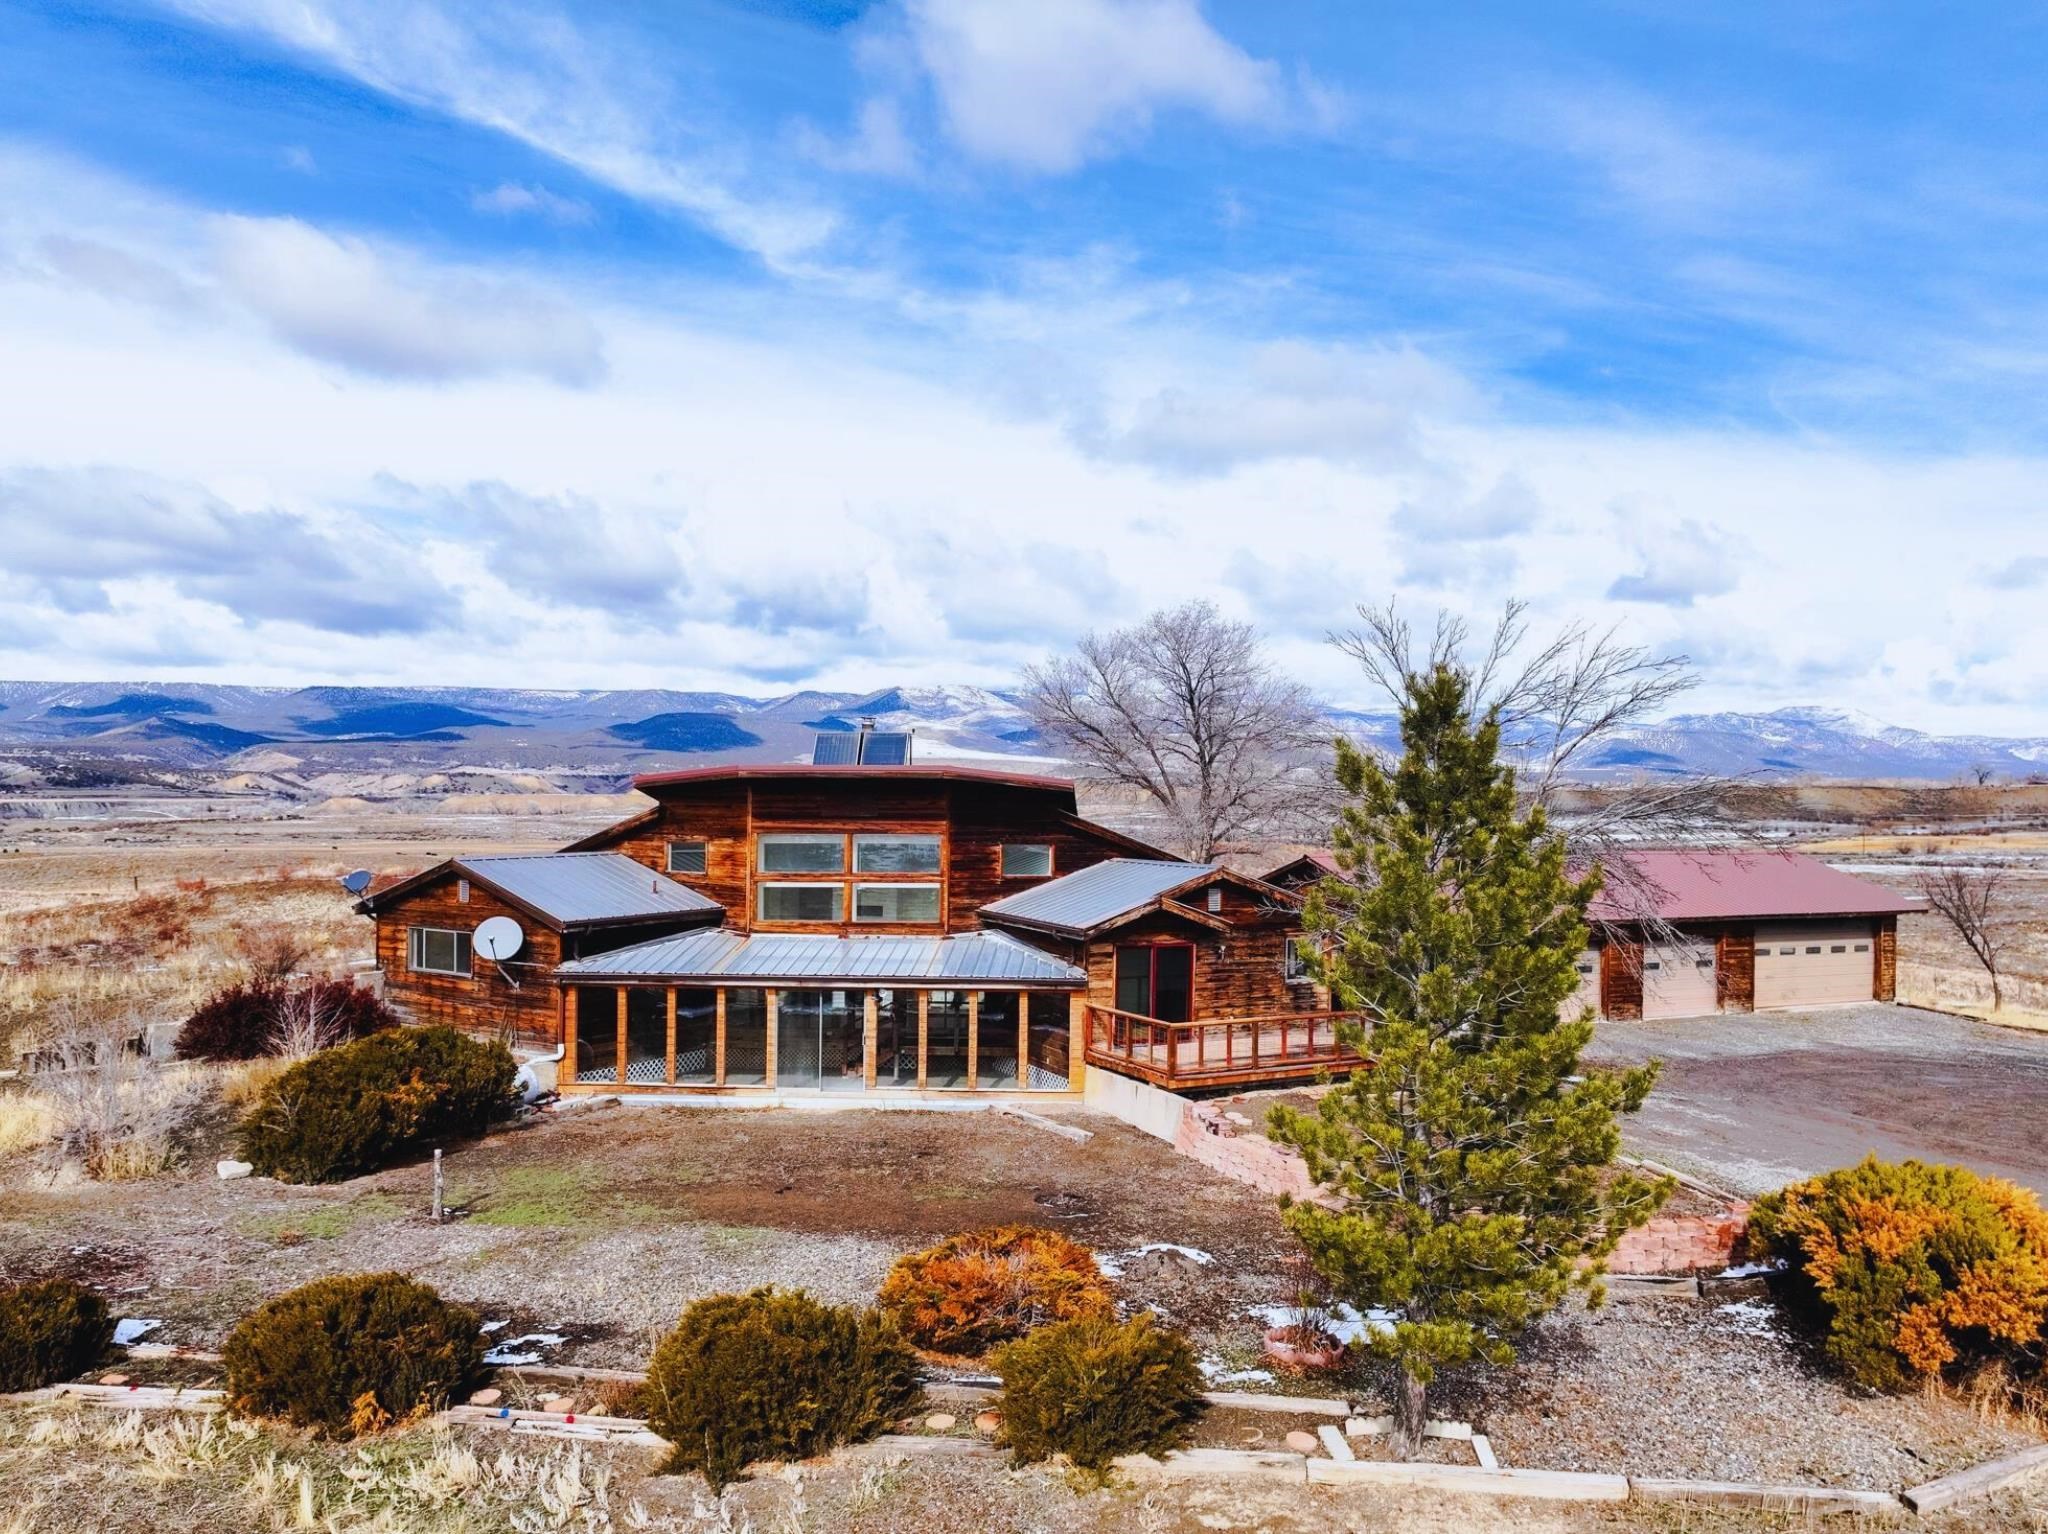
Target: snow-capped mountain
{"x":626,"y":730}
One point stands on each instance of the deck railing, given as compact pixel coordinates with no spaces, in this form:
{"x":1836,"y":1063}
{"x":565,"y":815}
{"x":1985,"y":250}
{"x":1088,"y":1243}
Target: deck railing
{"x":1219,"y":1051}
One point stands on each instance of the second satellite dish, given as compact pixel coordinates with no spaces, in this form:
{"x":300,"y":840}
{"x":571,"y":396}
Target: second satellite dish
{"x":498,"y":938}
{"x":355,"y":883}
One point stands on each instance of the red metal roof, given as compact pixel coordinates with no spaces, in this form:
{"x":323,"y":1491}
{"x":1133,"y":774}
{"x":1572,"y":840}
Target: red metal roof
{"x":1723,"y":885}
{"x":860,"y":774}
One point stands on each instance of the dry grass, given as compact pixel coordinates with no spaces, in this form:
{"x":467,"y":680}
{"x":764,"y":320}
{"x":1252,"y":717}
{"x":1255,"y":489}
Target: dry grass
{"x":27,"y":1120}
{"x":153,"y":957}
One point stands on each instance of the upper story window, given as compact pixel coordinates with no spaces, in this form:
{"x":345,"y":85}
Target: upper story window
{"x":1027,"y":860}
{"x":1216,"y":897}
{"x":802,"y":902}
{"x":896,"y":902}
{"x":688,"y":857}
{"x":802,"y":852}
{"x":437,"y":951}
{"x":895,"y":854}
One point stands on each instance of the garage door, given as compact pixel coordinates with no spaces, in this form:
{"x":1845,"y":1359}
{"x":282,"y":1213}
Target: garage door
{"x":1678,"y":980}
{"x":1813,"y":964}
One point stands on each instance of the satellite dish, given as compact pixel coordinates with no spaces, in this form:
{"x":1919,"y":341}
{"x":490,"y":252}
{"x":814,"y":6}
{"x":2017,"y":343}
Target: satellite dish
{"x":498,"y":938}
{"x":355,"y":883}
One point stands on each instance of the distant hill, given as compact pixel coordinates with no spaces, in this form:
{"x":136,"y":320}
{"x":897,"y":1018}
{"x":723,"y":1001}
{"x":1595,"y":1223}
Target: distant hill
{"x":606,"y":735}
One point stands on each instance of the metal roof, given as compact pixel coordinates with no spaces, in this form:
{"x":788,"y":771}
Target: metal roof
{"x":1098,"y":893}
{"x":1719,"y":884}
{"x":978,"y":957}
{"x":576,"y":887}
{"x":761,"y":771}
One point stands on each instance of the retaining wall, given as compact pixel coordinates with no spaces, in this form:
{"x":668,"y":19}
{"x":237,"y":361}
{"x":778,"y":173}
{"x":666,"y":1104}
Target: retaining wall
{"x":1682,"y":1243}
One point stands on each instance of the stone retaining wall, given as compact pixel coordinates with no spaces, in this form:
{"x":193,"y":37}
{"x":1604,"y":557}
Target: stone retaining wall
{"x":1683,"y":1243}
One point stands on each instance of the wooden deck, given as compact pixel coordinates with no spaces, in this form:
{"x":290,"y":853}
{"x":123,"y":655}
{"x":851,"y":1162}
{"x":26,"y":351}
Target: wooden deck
{"x":1222,"y":1051}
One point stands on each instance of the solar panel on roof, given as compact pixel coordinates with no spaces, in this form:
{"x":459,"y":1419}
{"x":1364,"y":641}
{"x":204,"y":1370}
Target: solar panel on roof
{"x":836,"y":751}
{"x":886,"y":748}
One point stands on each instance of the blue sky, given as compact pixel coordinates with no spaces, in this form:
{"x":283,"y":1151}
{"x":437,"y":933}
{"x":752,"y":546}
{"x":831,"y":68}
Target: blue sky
{"x":747,"y":344}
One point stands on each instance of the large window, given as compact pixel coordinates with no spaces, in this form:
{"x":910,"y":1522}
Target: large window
{"x":688,"y":857}
{"x":646,"y":1036}
{"x":896,"y":902}
{"x":803,"y":902}
{"x":437,"y":951}
{"x":746,"y":1038}
{"x":697,"y":1037}
{"x":1026,"y":860}
{"x":597,"y":1033}
{"x":895,"y":854}
{"x":996,"y":1040}
{"x":1048,"y":1042}
{"x":1156,"y":980}
{"x":945,"y":1062}
{"x":896,"y":1038}
{"x":803,"y":852}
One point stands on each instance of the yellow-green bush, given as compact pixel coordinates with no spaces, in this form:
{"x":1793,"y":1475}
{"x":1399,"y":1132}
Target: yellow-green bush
{"x":1095,"y":1389}
{"x":1911,"y":1267}
{"x":352,"y":1354}
{"x":50,"y":1331}
{"x":774,"y":1374}
{"x":973,"y":1291}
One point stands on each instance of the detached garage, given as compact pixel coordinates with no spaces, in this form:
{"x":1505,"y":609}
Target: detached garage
{"x":1755,"y":931}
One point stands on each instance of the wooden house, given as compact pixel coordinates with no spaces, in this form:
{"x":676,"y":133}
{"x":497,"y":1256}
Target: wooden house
{"x":863,"y":927}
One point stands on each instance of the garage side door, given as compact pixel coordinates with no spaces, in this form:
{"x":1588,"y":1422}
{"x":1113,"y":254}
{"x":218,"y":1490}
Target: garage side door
{"x":1678,"y":980}
{"x":1588,"y":992}
{"x":1811,"y":964}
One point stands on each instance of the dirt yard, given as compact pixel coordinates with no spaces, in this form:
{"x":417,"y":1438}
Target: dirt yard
{"x":1755,"y":1101}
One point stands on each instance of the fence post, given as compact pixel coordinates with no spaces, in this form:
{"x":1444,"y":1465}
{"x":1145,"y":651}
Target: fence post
{"x":438,"y":1186}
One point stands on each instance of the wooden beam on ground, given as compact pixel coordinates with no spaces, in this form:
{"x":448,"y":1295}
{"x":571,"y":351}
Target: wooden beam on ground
{"x":1072,"y":1132}
{"x":1978,"y":1480}
{"x":1470,"y":1480}
{"x":1813,"y":1501}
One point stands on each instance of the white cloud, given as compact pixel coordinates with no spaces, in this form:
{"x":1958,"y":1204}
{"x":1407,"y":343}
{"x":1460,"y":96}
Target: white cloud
{"x":1046,"y":86}
{"x":537,"y":78}
{"x":341,"y":300}
{"x":879,"y":145}
{"x":1678,"y":563}
{"x":512,"y":198}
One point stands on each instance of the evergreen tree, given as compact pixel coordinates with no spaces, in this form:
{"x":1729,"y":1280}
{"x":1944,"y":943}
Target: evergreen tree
{"x":1465,"y":1179}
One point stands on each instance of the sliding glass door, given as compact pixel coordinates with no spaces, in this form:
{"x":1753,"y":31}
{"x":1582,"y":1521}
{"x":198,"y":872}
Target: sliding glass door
{"x":820,"y":1040}
{"x":1156,"y":980}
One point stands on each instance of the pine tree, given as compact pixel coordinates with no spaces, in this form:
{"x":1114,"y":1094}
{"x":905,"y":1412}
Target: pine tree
{"x":1465,"y":1179}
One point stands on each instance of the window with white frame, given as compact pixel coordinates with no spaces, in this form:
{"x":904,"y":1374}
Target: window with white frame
{"x":437,"y":951}
{"x":1292,"y":965}
{"x":802,"y":852}
{"x":1027,"y":860}
{"x":688,"y":857}
{"x":895,"y":854}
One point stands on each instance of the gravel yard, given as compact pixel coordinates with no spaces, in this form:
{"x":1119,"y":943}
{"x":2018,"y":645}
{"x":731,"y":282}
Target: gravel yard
{"x":598,"y":1226}
{"x":1752,"y":1102}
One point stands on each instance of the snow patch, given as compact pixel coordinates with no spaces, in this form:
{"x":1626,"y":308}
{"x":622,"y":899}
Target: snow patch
{"x":1753,"y":1269}
{"x":522,"y":1350}
{"x":1749,"y":1318}
{"x":127,"y":1331}
{"x":1218,"y":1373}
{"x":1345,"y":1324}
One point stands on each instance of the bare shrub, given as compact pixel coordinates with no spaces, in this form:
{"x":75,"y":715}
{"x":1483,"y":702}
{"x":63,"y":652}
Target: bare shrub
{"x":273,"y":951}
{"x":115,"y":1114}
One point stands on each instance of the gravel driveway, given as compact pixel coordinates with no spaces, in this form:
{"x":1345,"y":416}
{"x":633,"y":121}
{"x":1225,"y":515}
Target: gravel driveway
{"x":1755,"y":1101}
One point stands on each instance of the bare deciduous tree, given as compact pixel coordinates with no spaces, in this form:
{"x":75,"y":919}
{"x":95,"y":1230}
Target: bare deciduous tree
{"x":306,"y":1023}
{"x":1185,"y":708}
{"x":1974,"y":905}
{"x":1559,"y":699}
{"x":272,"y":950}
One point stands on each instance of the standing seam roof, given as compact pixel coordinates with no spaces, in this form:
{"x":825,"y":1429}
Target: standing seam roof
{"x":723,"y":955}
{"x":1098,"y":893}
{"x":587,"y":886}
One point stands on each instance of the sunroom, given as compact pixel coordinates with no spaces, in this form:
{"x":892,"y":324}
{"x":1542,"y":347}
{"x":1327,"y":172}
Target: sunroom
{"x":723,"y":1012}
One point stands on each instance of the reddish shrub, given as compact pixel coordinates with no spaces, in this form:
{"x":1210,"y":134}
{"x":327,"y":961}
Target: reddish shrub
{"x":974,"y":1291}
{"x":245,"y":1022}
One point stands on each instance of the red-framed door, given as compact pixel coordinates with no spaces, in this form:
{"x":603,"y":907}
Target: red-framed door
{"x":1156,"y":980}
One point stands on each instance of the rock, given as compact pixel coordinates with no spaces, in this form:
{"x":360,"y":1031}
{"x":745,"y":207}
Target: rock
{"x":1302,"y":1443}
{"x":986,"y":1422}
{"x":562,"y":1404}
{"x":1163,"y":1262}
{"x":228,"y":1170}
{"x":489,"y":1397}
{"x":113,"y":1379}
{"x":941,"y":1421}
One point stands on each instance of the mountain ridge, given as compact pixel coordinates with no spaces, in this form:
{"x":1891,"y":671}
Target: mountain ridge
{"x":630,"y":729}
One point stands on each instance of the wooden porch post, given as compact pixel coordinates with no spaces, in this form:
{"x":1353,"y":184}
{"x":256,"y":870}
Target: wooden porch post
{"x":1023,"y":1082}
{"x":718,"y":1036}
{"x":670,"y":1075}
{"x":924,"y":1029}
{"x":622,"y":1036}
{"x":1077,"y":1039}
{"x":567,"y":1069}
{"x":773,"y":998}
{"x":973,"y":1040}
{"x":871,"y":1037}
{"x":562,"y":1014}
